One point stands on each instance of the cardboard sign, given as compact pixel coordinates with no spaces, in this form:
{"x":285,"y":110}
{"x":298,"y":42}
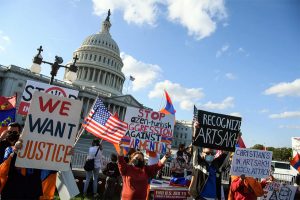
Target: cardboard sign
{"x":148,"y":130}
{"x":251,"y":162}
{"x":170,"y":194}
{"x":276,"y":191}
{"x":66,"y":185}
{"x":295,"y":145}
{"x":217,"y":131}
{"x":49,"y":133}
{"x":32,"y":86}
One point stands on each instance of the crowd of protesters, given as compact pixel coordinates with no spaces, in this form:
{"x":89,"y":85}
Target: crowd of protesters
{"x":204,"y":168}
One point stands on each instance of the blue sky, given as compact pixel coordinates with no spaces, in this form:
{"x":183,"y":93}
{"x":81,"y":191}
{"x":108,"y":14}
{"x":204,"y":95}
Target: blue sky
{"x":230,"y":57}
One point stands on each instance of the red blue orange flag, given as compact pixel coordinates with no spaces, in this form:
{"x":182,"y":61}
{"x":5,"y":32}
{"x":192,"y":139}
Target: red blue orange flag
{"x":7,"y":111}
{"x":295,"y":162}
{"x":169,"y":108}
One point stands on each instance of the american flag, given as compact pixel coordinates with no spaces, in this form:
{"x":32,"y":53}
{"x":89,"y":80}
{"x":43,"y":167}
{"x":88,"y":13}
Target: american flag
{"x":103,"y":124}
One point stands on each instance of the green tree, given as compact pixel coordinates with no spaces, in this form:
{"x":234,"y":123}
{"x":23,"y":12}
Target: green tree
{"x":258,"y":146}
{"x":280,"y":154}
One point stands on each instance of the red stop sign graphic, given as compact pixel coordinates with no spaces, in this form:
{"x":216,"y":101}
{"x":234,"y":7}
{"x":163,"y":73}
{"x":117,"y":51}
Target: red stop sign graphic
{"x":57,"y":91}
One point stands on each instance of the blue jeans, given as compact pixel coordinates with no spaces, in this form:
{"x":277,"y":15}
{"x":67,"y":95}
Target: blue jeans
{"x":95,"y":173}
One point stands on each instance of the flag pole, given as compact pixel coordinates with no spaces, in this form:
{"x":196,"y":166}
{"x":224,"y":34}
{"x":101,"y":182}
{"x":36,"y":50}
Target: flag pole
{"x":81,"y":130}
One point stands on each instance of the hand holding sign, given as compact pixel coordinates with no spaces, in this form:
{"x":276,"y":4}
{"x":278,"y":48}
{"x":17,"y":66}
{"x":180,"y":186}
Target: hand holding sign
{"x":216,"y":131}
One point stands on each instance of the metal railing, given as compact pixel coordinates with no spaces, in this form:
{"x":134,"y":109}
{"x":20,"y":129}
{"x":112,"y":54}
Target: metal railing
{"x":78,"y":161}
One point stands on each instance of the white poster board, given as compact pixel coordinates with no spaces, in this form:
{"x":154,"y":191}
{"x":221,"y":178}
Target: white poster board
{"x":278,"y":191}
{"x":49,"y":133}
{"x":148,"y":130}
{"x":295,"y":145}
{"x":251,"y":162}
{"x":66,"y":185}
{"x":32,"y":86}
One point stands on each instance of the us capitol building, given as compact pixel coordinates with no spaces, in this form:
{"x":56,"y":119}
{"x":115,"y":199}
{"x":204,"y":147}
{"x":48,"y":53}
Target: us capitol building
{"x":99,"y":73}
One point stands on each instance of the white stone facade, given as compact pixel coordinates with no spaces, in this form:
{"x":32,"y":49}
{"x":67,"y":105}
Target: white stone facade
{"x":182,"y":133}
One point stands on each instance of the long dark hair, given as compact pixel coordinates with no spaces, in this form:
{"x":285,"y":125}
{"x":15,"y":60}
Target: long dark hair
{"x":96,"y":142}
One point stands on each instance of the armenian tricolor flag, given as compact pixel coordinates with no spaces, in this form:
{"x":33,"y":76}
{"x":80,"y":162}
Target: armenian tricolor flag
{"x":295,"y":162}
{"x":169,"y":108}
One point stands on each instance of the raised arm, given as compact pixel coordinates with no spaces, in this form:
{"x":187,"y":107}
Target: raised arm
{"x":121,"y":162}
{"x":152,"y":170}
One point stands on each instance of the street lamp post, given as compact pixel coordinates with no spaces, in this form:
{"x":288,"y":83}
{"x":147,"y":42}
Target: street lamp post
{"x":38,"y":60}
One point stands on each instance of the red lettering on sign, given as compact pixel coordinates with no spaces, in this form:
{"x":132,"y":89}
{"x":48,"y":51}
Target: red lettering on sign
{"x":51,"y":106}
{"x":64,"y":107}
{"x":48,"y":105}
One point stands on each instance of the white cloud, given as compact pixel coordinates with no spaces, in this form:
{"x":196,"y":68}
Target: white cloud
{"x":135,"y":11}
{"x":221,"y":51}
{"x":289,"y":114}
{"x":199,"y":17}
{"x":264,"y":111}
{"x":235,"y":114}
{"x":186,"y":97}
{"x":225,"y":24}
{"x":285,"y":89}
{"x":230,"y":76}
{"x":4,"y":41}
{"x":145,"y":74}
{"x":226,"y":103}
{"x":290,"y":126}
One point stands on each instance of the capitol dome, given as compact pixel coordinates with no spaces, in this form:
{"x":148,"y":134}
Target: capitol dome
{"x":99,"y":63}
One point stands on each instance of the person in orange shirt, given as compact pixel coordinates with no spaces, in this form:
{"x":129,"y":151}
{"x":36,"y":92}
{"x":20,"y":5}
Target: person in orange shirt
{"x":245,"y":188}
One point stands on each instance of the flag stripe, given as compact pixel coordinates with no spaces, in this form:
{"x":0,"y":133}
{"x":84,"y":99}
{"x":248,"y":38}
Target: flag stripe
{"x":102,"y":124}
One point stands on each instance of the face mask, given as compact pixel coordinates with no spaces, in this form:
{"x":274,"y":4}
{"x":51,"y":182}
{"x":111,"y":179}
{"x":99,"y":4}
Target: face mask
{"x":138,"y":163}
{"x":209,"y":158}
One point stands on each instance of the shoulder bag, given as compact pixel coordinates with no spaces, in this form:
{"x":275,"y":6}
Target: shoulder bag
{"x":89,"y":163}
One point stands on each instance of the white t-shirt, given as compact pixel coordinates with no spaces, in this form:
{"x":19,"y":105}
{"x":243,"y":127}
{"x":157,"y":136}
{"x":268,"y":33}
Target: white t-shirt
{"x":98,"y":159}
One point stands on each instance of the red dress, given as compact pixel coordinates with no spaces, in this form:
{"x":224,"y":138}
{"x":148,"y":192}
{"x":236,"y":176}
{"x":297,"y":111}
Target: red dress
{"x":135,"y":180}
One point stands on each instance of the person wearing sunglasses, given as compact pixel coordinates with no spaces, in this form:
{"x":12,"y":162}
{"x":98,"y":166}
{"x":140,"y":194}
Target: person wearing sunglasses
{"x":207,"y":172}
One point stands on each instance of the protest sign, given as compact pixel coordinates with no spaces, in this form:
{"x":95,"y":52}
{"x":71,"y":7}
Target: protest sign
{"x":216,"y":131}
{"x":276,"y":190}
{"x":148,"y":130}
{"x":32,"y":86}
{"x":49,"y":133}
{"x":66,"y":185}
{"x":251,"y":162}
{"x":295,"y":145}
{"x":170,"y":194}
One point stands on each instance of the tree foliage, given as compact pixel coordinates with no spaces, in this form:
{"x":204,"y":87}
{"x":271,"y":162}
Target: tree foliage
{"x":280,"y":154}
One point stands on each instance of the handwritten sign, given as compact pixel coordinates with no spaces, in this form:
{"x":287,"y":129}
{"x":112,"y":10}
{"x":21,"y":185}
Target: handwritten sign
{"x":148,"y":130}
{"x":49,"y":133}
{"x":251,"y":162}
{"x":32,"y":86}
{"x":217,"y":131}
{"x":276,"y":190}
{"x":170,"y":194}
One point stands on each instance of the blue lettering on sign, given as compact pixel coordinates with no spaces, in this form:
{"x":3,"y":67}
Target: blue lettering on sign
{"x":47,"y":126}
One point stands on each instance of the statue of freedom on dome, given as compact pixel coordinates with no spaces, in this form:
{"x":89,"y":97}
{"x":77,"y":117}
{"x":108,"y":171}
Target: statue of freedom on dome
{"x":108,"y":14}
